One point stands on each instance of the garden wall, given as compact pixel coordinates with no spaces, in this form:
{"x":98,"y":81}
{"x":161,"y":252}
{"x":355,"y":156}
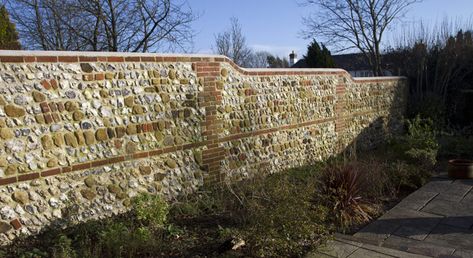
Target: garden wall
{"x":82,"y":133}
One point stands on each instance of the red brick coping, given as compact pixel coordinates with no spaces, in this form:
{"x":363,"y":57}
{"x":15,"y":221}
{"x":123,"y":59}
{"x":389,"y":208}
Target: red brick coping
{"x":7,"y":56}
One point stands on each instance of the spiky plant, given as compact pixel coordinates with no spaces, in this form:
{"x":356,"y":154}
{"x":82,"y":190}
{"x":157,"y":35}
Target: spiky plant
{"x":341,"y":187}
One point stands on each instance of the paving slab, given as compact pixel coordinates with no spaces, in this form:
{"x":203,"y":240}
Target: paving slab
{"x":435,"y":221}
{"x":417,"y":247}
{"x":346,"y":247}
{"x":408,"y":217}
{"x":468,"y":198}
{"x":316,"y":254}
{"x":449,"y":197}
{"x":392,"y":252}
{"x":363,"y":253}
{"x":455,"y":237}
{"x":376,"y":232}
{"x":447,"y":187}
{"x":412,"y":232}
{"x":464,"y":182}
{"x":417,"y":200}
{"x":465,"y":222}
{"x":463,"y":253}
{"x":339,"y":249}
{"x":448,"y":208}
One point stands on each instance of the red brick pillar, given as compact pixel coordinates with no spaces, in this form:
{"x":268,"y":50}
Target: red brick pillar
{"x":340,"y":113}
{"x":208,"y":73}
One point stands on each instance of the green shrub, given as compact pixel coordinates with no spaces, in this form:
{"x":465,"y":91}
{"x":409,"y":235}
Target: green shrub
{"x":431,"y":107}
{"x":282,"y":218}
{"x":458,"y":147}
{"x":377,"y":184}
{"x":407,"y":176}
{"x":113,"y":238}
{"x":30,"y":253}
{"x":419,"y":144}
{"x":151,"y":210}
{"x":63,"y":248}
{"x":275,"y":215}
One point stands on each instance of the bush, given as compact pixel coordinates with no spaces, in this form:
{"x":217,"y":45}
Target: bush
{"x":430,"y":107}
{"x":458,"y":147}
{"x":63,"y":248}
{"x":419,"y":144}
{"x":377,"y":179}
{"x":281,"y":217}
{"x":407,"y":176}
{"x":341,"y":189}
{"x":276,"y":215}
{"x":151,"y":210}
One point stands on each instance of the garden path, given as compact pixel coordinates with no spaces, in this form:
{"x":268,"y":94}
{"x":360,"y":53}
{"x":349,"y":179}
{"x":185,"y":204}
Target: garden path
{"x":434,"y":221}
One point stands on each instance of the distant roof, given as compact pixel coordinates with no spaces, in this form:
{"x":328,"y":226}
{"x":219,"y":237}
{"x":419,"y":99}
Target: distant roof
{"x":349,"y":62}
{"x":300,"y":64}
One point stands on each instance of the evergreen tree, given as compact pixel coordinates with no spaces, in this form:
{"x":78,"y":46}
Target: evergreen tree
{"x":277,"y":62}
{"x":318,"y":57}
{"x":8,"y":34}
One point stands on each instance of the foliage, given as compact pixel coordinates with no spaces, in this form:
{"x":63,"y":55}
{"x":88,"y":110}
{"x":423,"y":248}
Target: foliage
{"x":276,"y":215}
{"x":280,"y":215}
{"x":341,"y":187}
{"x":277,"y":62}
{"x":114,"y":25}
{"x":407,"y":176}
{"x":8,"y":34}
{"x":438,"y":66}
{"x":432,"y":107}
{"x":318,"y":57}
{"x":280,"y":218}
{"x":151,"y":210}
{"x":456,"y":146}
{"x":121,"y":239}
{"x":419,"y":144}
{"x":232,"y":43}
{"x":63,"y":248}
{"x":350,"y":24}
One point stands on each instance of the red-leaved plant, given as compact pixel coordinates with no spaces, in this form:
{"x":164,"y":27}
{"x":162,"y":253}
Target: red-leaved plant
{"x":341,"y":187}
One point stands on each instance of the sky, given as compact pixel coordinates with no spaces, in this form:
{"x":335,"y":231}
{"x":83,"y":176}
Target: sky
{"x":275,"y":25}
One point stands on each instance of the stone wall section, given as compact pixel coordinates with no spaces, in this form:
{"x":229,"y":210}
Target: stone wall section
{"x":83,"y":133}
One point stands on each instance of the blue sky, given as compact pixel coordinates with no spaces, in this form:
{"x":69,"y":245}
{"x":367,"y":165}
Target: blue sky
{"x":275,"y":25}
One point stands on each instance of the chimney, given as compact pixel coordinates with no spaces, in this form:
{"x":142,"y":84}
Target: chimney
{"x":292,"y":58}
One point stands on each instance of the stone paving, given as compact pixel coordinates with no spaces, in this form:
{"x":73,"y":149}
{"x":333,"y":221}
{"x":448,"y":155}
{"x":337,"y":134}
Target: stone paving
{"x":343,"y":246}
{"x":434,"y":221}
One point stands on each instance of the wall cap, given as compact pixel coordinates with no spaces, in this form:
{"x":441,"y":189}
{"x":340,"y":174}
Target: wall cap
{"x":28,"y":53}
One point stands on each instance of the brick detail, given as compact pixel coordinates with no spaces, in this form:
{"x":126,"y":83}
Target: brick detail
{"x":16,"y":224}
{"x":211,"y":97}
{"x":340,"y":107}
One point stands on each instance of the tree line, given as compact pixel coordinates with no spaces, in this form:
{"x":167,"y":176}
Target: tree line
{"x":103,"y":25}
{"x":232,"y":43}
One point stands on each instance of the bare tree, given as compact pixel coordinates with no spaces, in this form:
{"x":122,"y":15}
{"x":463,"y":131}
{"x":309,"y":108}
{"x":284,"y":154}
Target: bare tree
{"x":259,"y":59}
{"x":103,"y":25}
{"x":359,"y":24}
{"x":232,"y":43}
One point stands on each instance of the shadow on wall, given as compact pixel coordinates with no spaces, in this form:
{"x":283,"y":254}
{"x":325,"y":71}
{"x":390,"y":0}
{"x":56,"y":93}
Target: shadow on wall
{"x":369,"y":130}
{"x":374,"y":113}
